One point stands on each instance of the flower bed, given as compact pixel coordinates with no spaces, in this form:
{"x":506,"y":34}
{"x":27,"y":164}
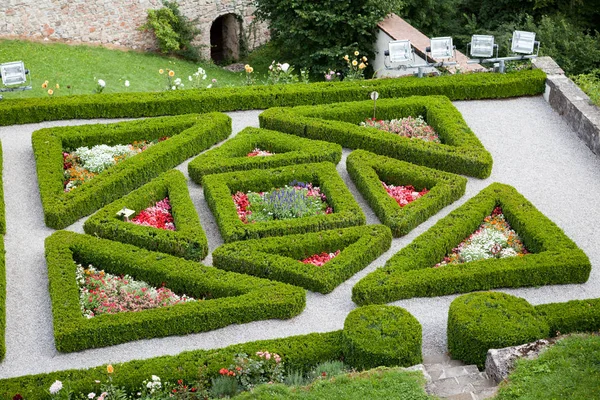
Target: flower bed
{"x":157,"y":216}
{"x":403,"y":194}
{"x":413,"y":128}
{"x":257,"y":152}
{"x":321,"y":259}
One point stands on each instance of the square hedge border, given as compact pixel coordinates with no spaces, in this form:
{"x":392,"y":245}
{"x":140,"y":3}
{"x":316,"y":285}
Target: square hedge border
{"x":555,"y":258}
{"x":228,"y":298}
{"x":460,"y":152}
{"x":277,"y":258}
{"x":187,"y":241}
{"x":189,"y":135}
{"x":367,"y":169}
{"x":288,"y":149}
{"x":219,"y":188}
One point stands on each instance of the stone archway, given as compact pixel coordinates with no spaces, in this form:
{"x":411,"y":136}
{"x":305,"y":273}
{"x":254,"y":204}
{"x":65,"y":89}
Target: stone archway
{"x":225,"y":38}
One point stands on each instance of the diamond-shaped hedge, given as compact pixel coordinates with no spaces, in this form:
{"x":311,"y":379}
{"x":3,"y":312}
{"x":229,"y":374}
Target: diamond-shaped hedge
{"x":278,"y":258}
{"x":367,"y":170}
{"x":286,"y":149}
{"x":226,"y":297}
{"x":219,"y":188}
{"x":187,"y":241}
{"x":188,"y":136}
{"x":554,"y":258}
{"x":460,"y":152}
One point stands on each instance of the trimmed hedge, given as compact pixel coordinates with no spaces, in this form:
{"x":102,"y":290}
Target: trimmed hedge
{"x":119,"y":105}
{"x":187,"y":241}
{"x":189,"y":135}
{"x":219,"y":188}
{"x":367,"y":170}
{"x":225,"y":297}
{"x":572,"y":316}
{"x":277,"y":258}
{"x":382,"y":335}
{"x":287,"y":149}
{"x":555,"y":258}
{"x":460,"y":152}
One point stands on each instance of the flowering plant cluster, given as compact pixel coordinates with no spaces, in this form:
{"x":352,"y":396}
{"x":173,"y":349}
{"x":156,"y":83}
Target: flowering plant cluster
{"x":158,"y":216}
{"x":332,"y":76}
{"x":100,"y":85}
{"x":259,"y":153}
{"x":104,"y":293}
{"x":403,"y":194}
{"x":295,"y":201}
{"x":46,"y":85}
{"x":198,"y":80}
{"x":250,"y":80}
{"x":281,"y":74}
{"x":414,"y":128}
{"x":85,"y":163}
{"x":320,"y":259}
{"x":356,"y":67}
{"x":172,"y":82}
{"x":493,"y":239}
{"x":249,"y":372}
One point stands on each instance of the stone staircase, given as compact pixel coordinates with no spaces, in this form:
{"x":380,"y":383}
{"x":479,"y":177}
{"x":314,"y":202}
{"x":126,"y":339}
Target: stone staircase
{"x":451,"y":379}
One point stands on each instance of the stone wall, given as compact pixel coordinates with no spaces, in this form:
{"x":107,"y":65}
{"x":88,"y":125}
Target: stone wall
{"x":115,"y":22}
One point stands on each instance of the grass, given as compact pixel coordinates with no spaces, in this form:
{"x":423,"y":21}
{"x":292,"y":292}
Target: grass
{"x":568,"y":370}
{"x":81,"y":67}
{"x":590,"y":84}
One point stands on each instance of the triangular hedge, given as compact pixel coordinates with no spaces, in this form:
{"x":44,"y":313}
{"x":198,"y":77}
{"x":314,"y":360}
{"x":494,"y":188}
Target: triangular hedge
{"x":187,"y":241}
{"x":278,"y":258}
{"x":554,"y":258}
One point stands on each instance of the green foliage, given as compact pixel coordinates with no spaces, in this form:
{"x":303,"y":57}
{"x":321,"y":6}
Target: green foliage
{"x":277,"y":258}
{"x":224,"y":297}
{"x":219,"y":188}
{"x":460,"y":151}
{"x":187,"y":241}
{"x":367,"y":170}
{"x":174,"y":31}
{"x":189,"y":135}
{"x":380,"y":335}
{"x":590,"y":84}
{"x":478,"y":322}
{"x":572,"y":316}
{"x":224,"y":386}
{"x":554,"y":258}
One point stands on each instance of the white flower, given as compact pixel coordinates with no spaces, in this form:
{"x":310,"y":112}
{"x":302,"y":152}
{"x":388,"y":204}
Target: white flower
{"x":285,"y":67}
{"x":190,"y":78}
{"x":101,"y":83}
{"x":209,"y":86}
{"x":201,"y":71}
{"x":173,"y":88}
{"x":178,"y":81}
{"x":155,"y":378}
{"x":91,"y":395}
{"x":126,"y":83}
{"x":203,"y":76}
{"x":55,"y":387}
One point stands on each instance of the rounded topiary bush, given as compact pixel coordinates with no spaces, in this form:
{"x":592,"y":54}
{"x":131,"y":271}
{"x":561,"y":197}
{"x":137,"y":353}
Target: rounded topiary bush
{"x":379,"y":335}
{"x":478,"y":322}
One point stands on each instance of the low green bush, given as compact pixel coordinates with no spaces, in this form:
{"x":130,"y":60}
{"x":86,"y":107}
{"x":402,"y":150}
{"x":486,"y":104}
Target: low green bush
{"x":460,"y":151}
{"x":572,"y":316}
{"x":188,"y":136}
{"x":187,"y":241}
{"x":380,"y":335}
{"x":287,"y":149}
{"x":553,"y":258}
{"x":367,"y":170}
{"x":121,"y":105}
{"x":219,"y":188}
{"x":224,"y":298}
{"x":277,"y":258}
{"x":478,"y":322}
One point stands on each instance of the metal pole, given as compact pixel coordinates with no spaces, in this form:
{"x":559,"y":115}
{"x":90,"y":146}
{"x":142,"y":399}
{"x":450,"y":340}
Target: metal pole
{"x":501,"y":67}
{"x":420,"y":72}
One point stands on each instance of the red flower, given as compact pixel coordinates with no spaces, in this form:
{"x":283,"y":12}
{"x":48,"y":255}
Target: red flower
{"x":323,"y":373}
{"x":223,"y":371}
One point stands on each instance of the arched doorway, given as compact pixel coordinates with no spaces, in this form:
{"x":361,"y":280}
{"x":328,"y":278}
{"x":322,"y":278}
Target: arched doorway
{"x":225,"y":38}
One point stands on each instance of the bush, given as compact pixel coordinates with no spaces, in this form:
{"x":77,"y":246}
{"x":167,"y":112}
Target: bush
{"x":187,"y":241}
{"x":554,"y":258}
{"x":131,"y":105}
{"x":287,"y":149}
{"x":277,"y":258}
{"x":367,"y":170}
{"x":189,"y":135}
{"x":478,"y":322}
{"x":380,"y":335}
{"x":590,"y":84}
{"x":572,"y":316}
{"x":460,"y":151}
{"x":224,"y":297}
{"x":219,"y":188}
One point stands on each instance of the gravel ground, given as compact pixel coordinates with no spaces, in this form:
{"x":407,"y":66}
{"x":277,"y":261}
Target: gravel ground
{"x":533,"y":150}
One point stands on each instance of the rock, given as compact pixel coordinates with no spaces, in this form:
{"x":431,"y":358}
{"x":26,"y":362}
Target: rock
{"x":500,"y":362}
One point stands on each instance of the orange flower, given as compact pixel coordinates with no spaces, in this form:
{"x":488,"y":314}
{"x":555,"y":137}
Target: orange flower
{"x":171,"y":73}
{"x":44,"y":85}
{"x":110,"y":369}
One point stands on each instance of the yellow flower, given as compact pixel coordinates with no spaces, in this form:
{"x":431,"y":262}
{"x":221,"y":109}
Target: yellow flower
{"x":354,"y":62}
{"x":46,"y":82}
{"x":110,"y":369}
{"x":364,"y":59}
{"x":356,"y":53}
{"x":248,"y":69}
{"x":50,"y":92}
{"x":171,"y":73}
{"x":44,"y":85}
{"x":362,"y":66}
{"x":161,"y":71}
{"x":57,"y":86}
{"x":346,"y":57}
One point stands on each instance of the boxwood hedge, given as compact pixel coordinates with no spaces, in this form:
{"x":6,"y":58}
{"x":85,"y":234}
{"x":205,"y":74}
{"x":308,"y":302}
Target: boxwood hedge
{"x":187,"y":241}
{"x":277,"y":258}
{"x":287,"y":149}
{"x":188,"y":136}
{"x":118,"y":105}
{"x":224,"y":297}
{"x":554,"y":258}
{"x":219,"y":188}
{"x":460,"y":152}
{"x":572,"y":316}
{"x":367,"y":170}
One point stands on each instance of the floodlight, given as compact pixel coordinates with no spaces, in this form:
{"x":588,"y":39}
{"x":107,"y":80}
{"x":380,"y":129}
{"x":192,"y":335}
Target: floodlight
{"x":400,"y":51}
{"x":523,"y":42}
{"x":482,"y":46}
{"x":441,"y":47}
{"x":13,"y":73}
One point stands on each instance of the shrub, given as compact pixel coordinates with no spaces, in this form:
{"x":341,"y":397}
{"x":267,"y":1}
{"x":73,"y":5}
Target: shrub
{"x":367,"y":170}
{"x":590,"y":84}
{"x":572,"y":316}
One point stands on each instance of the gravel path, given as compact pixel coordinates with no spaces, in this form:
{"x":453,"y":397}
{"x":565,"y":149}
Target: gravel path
{"x":533,"y":150}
